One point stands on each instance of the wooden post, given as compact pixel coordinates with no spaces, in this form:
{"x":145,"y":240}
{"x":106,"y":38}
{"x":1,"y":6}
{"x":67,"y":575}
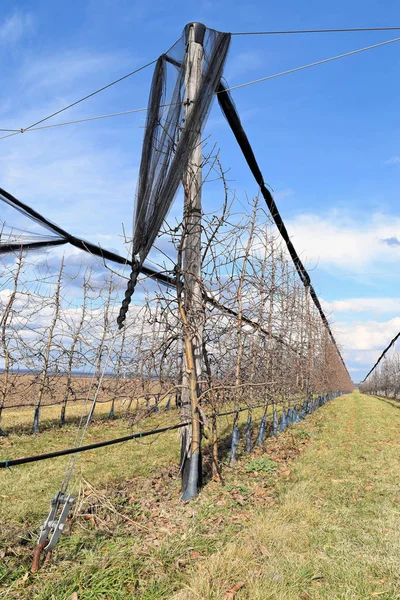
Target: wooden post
{"x":193,"y":317}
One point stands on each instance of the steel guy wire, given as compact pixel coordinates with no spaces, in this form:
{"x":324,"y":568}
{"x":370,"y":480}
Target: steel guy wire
{"x":136,"y":110}
{"x":92,"y":94}
{"x":314,"y":64}
{"x":84,"y":120}
{"x":300,"y":31}
{"x":73,"y":459}
{"x":68,"y":475}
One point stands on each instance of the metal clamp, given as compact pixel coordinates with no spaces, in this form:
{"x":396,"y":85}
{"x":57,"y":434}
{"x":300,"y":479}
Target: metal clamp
{"x":54,"y":524}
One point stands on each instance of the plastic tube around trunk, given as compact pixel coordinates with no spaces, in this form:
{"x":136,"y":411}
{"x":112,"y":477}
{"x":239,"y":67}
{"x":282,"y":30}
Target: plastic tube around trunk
{"x":235,"y":444}
{"x":261,"y":432}
{"x":193,"y":484}
{"x":248,"y":434}
{"x":283,"y":423}
{"x":36,"y":420}
{"x":275,"y":424}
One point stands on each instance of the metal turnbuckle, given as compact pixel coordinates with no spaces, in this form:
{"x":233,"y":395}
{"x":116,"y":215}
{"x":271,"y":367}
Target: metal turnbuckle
{"x":53,"y":525}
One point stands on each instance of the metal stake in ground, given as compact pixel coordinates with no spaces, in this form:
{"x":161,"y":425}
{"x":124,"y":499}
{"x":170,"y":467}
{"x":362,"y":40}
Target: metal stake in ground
{"x":193,"y":303}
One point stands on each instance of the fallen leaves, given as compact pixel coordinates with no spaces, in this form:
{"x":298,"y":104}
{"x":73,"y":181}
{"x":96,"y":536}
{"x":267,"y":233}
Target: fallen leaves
{"x":181,"y":562}
{"x":230,"y":594}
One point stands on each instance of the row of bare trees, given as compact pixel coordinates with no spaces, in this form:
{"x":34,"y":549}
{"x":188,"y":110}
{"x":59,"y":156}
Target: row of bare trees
{"x":264,"y":343}
{"x":263,"y":340}
{"x":385,"y":378}
{"x":57,"y":339}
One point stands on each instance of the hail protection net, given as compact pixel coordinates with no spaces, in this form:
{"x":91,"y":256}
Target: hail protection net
{"x":170,"y":136}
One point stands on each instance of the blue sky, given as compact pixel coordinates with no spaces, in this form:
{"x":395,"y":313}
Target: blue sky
{"x":327,"y":138}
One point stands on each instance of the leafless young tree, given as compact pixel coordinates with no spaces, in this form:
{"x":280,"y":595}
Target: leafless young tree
{"x":5,"y":322}
{"x":43,"y":379}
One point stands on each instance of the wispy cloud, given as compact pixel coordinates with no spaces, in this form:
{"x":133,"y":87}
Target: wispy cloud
{"x":395,"y":160}
{"x":244,"y":62}
{"x":13,"y":28}
{"x":282,"y":194}
{"x":336,"y":240}
{"x":365,"y":336}
{"x":377,"y":306}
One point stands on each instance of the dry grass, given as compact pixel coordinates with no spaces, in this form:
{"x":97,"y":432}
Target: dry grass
{"x":336,"y":531}
{"x":323,"y":523}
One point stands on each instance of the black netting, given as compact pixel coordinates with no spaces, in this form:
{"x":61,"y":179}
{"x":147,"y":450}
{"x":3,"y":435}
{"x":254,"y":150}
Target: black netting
{"x":170,"y":138}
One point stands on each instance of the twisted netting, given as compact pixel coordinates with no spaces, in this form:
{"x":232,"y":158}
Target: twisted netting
{"x":170,"y":138}
{"x":130,"y":288}
{"x":168,"y":142}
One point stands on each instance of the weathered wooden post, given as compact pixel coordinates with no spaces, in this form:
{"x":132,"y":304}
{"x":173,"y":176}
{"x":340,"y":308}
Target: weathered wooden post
{"x":193,"y":317}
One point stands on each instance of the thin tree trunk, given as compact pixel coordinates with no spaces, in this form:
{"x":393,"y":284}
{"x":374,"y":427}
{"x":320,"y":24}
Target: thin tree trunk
{"x":46,"y":363}
{"x":104,"y":331}
{"x":71,"y":356}
{"x":5,"y":320}
{"x":239,"y":322}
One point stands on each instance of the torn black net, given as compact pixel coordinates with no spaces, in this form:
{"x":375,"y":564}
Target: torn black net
{"x":168,"y":142}
{"x":13,"y":240}
{"x":170,"y":138}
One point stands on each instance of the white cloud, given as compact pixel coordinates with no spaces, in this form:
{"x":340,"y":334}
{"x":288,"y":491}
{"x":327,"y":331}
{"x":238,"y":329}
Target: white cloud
{"x":244,"y":62}
{"x":282,"y":194}
{"x":359,"y":305}
{"x":346,"y":243}
{"x":365,"y":336}
{"x":13,"y":28}
{"x":395,"y":160}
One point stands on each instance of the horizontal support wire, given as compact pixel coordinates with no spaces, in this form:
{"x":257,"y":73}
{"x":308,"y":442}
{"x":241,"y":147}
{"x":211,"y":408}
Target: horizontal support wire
{"x":86,"y":119}
{"x":314,"y":64}
{"x":6,"y":464}
{"x":72,"y":401}
{"x":300,"y":31}
{"x":34,"y":127}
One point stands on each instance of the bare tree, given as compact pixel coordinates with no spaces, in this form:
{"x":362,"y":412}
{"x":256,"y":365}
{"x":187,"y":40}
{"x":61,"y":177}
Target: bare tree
{"x":4,"y":323}
{"x":44,"y":375}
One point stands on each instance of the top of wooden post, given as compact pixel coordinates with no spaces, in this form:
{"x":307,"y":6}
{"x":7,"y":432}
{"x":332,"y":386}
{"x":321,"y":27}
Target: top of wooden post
{"x":199,"y":32}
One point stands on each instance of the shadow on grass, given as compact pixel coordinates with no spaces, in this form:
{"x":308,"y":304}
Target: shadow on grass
{"x":393,"y":403}
{"x":53,"y":424}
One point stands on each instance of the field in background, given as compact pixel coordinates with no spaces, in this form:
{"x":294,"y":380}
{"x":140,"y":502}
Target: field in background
{"x":314,"y":515}
{"x":25,"y":388}
{"x":128,"y":395}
